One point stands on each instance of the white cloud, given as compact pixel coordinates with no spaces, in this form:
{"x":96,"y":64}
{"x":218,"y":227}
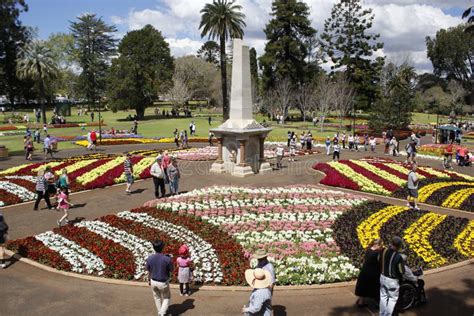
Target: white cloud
{"x":403,"y":24}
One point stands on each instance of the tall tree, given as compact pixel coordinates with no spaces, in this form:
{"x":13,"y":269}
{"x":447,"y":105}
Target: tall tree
{"x":451,"y":52}
{"x":286,"y":51}
{"x":94,"y":45}
{"x":197,"y":74}
{"x":222,"y":19}
{"x":469,"y":14}
{"x":350,"y":46}
{"x":209,"y":51}
{"x":143,"y":69}
{"x":36,"y":62}
{"x":13,"y":36}
{"x":254,"y":74}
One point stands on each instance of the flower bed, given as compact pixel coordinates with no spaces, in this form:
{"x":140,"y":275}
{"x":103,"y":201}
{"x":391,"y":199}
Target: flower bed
{"x":118,"y":141}
{"x":389,"y":177}
{"x":432,"y":240}
{"x":222,"y":227}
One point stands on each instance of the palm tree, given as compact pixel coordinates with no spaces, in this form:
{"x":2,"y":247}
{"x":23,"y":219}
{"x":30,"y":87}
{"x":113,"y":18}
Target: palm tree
{"x":36,"y":62}
{"x":222,"y":19}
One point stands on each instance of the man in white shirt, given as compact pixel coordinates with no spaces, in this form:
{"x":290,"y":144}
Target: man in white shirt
{"x":158,"y":175}
{"x":280,"y":151}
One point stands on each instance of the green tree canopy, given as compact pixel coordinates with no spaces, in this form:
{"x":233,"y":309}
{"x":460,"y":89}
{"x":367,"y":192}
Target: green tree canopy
{"x":223,"y":20}
{"x":94,"y":44}
{"x":350,"y":46}
{"x":197,"y":74}
{"x":286,"y":51}
{"x":37,"y":63}
{"x":13,"y":36}
{"x":209,"y":51}
{"x":143,"y":69}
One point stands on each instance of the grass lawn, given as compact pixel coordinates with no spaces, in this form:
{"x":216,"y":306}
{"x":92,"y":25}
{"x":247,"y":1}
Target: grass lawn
{"x":164,"y":127}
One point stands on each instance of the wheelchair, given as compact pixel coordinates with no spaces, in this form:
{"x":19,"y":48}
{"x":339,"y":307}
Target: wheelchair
{"x":411,"y":294}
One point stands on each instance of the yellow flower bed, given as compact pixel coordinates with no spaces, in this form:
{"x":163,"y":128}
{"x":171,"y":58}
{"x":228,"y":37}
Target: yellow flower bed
{"x":436,"y":173}
{"x":425,"y":192}
{"x":78,"y":165}
{"x":364,"y":183}
{"x":137,"y":169}
{"x":380,"y":172}
{"x":456,"y":199}
{"x":402,"y":169}
{"x":111,"y":141}
{"x":51,"y":164}
{"x":14,"y":169}
{"x":96,"y":172}
{"x":417,"y":237}
{"x":464,"y":243}
{"x":369,"y":229}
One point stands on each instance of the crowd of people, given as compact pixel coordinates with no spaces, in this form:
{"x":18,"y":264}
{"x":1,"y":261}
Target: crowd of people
{"x":181,"y":138}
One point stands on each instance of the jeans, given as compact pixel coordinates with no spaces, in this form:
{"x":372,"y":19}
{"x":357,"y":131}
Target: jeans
{"x":162,"y":296}
{"x":389,"y":290}
{"x":159,"y":186}
{"x":174,"y":183}
{"x":39,"y":196}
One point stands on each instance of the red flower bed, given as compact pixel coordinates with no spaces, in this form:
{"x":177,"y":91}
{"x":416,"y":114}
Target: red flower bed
{"x":23,"y":183}
{"x":390,"y":186}
{"x":34,"y":249}
{"x":9,"y":198}
{"x":335,"y":178}
{"x":8,"y":128}
{"x":396,"y":173}
{"x":119,"y":261}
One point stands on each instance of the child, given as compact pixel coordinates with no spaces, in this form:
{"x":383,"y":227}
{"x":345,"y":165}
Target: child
{"x":184,"y":270}
{"x":335,"y":154}
{"x":64,"y":204}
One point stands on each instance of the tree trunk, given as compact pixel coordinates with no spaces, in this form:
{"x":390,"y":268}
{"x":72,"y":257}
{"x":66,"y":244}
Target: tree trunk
{"x":225,"y":102}
{"x":140,"y":109}
{"x":43,"y":101}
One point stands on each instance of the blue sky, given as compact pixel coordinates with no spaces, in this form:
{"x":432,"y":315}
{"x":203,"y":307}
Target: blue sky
{"x":403,"y":24}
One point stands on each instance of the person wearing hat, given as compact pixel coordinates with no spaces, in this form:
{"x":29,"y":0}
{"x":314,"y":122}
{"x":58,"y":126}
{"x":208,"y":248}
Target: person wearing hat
{"x":160,"y":267}
{"x":173,"y":176}
{"x":393,"y":268}
{"x":158,"y":175}
{"x":3,"y":240}
{"x":128,"y":171}
{"x":264,"y":264}
{"x":261,"y":297}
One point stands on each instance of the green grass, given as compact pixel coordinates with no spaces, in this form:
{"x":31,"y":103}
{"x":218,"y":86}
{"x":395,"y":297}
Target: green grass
{"x":164,"y":127}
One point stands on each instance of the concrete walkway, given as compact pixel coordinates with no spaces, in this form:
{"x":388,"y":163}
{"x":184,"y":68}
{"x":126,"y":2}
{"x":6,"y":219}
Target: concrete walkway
{"x":30,"y":291}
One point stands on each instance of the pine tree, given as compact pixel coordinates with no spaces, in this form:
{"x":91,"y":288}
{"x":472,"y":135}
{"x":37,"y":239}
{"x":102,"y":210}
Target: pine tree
{"x":286,"y":52}
{"x":94,"y":45}
{"x":350,"y":46}
{"x":209,"y":51}
{"x":254,"y":74}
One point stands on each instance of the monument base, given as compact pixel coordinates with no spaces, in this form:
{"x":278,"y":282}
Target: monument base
{"x":217,"y":167}
{"x":242,"y":171}
{"x":265,"y":168}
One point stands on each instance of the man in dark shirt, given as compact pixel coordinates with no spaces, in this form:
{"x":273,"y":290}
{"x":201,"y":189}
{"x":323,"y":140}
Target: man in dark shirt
{"x":393,"y":269}
{"x":159,"y":268}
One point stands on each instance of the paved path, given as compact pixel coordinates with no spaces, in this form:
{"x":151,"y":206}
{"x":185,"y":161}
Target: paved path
{"x":30,"y":291}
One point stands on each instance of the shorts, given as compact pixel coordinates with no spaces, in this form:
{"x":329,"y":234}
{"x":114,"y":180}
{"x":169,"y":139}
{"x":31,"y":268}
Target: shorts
{"x":129,"y":178}
{"x":413,"y":193}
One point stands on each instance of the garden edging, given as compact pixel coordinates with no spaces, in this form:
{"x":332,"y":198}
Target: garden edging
{"x":216,"y":287}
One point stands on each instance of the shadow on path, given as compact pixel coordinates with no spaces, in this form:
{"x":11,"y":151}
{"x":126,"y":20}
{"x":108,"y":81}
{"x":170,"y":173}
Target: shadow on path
{"x":279,"y":310}
{"x":179,"y":309}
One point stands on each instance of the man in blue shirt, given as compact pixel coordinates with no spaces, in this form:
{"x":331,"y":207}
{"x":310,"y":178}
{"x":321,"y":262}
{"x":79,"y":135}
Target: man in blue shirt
{"x":159,"y":269}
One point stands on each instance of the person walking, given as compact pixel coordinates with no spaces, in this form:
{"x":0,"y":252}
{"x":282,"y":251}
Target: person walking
{"x":173,"y":176}
{"x":63,"y":181}
{"x":279,"y":156}
{"x":92,"y":116}
{"x":135,"y":127}
{"x":128,"y":171}
{"x":394,"y":146}
{"x":261,"y":297}
{"x":412,"y":185}
{"x":392,"y":272}
{"x":373,"y":143}
{"x":209,"y":120}
{"x":41,"y":190}
{"x":336,"y":150}
{"x":448,"y":156}
{"x":303,"y":140}
{"x":184,"y":264}
{"x":3,"y":241}
{"x":47,"y":147}
{"x":309,"y":141}
{"x":366,"y":141}
{"x":368,"y":281}
{"x":344,"y":139}
{"x":351,"y":142}
{"x":176,"y":137}
{"x":158,"y":175}
{"x":356,"y":142}
{"x":29,"y":148}
{"x":160,"y":267}
{"x":63,"y":204}
{"x":191,"y":128}
{"x":328,"y":146}
{"x":292,"y":149}
{"x":264,"y":264}
{"x":37,"y":136}
{"x":288,"y":139}
{"x":93,"y":140}
{"x":211,"y":136}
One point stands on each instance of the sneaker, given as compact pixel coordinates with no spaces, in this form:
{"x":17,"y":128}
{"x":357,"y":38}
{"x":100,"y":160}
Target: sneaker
{"x":3,"y":265}
{"x":408,"y":205}
{"x":180,"y":294}
{"x":59,"y":223}
{"x":187,"y":294}
{"x":416,"y":208}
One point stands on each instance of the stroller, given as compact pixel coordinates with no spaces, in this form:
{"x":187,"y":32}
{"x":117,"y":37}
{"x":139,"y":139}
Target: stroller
{"x":411,"y":293}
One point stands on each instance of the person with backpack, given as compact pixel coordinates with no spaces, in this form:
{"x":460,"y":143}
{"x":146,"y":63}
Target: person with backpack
{"x":392,"y":270}
{"x":3,"y":240}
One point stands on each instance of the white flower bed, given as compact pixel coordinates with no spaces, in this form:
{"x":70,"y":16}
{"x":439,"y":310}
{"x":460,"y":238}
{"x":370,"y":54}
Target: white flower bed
{"x":17,"y":190}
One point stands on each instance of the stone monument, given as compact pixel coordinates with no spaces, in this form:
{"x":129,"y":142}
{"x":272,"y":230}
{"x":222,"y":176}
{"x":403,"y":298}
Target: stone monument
{"x":240,"y":138}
